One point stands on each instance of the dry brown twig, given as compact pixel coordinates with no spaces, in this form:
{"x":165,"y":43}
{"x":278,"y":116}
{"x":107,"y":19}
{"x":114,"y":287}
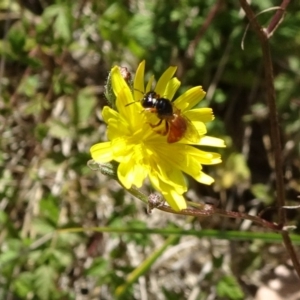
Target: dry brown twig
{"x":263,"y":35}
{"x":210,"y":17}
{"x":194,"y":209}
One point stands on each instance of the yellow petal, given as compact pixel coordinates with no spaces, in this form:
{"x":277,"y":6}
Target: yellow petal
{"x":125,"y":102}
{"x":200,"y":114}
{"x":175,"y":200}
{"x":211,"y":141}
{"x":131,"y":173}
{"x":149,"y":84}
{"x":118,"y":82}
{"x":121,"y":149}
{"x":203,"y":157}
{"x":190,"y":98}
{"x":125,"y":175}
{"x":117,"y":128}
{"x":117,"y":125}
{"x":108,"y":113}
{"x":186,"y":158}
{"x":164,"y":80}
{"x":172,"y":87}
{"x":205,"y":179}
{"x":171,"y":176}
{"x":139,"y":81}
{"x":131,"y":112}
{"x":102,"y":152}
{"x":201,"y":128}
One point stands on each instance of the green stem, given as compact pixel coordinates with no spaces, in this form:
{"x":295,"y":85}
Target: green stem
{"x":144,"y":266}
{"x":232,"y":235}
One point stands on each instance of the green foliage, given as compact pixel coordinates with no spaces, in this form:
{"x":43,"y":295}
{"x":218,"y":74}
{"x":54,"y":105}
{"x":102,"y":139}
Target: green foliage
{"x":59,"y":17}
{"x":228,"y":288}
{"x":261,"y":192}
{"x":98,"y":269}
{"x":44,"y":282}
{"x":236,"y":170}
{"x":55,"y":61}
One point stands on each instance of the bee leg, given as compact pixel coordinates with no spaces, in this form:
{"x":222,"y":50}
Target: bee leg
{"x":150,"y":109}
{"x":156,"y":125}
{"x":160,"y":131}
{"x":167,"y":128}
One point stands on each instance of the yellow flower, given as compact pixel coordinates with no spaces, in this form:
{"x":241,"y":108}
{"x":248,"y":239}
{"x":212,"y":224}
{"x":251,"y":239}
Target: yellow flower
{"x":141,"y":151}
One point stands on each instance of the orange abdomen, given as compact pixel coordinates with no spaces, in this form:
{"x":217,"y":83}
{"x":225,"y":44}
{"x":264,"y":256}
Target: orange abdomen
{"x":177,"y":129}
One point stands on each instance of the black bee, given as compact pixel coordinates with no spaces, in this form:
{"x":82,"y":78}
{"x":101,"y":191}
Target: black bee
{"x":177,"y":125}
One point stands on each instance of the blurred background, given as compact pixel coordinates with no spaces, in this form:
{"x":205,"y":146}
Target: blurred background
{"x":55,"y":58}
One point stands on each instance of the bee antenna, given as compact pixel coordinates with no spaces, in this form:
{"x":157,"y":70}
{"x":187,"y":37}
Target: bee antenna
{"x":139,"y":91}
{"x":130,"y":103}
{"x":134,"y":101}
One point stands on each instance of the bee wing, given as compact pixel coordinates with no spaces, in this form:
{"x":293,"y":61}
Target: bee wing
{"x":191,"y":133}
{"x":181,"y":127}
{"x":176,"y":130}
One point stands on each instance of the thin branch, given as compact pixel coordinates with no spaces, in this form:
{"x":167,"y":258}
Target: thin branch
{"x":211,"y":15}
{"x":261,"y":12}
{"x":209,"y":210}
{"x":274,"y":124}
{"x":194,"y":209}
{"x":271,"y":101}
{"x":278,"y":17}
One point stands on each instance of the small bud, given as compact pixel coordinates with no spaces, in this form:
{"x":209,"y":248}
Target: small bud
{"x":126,"y":75}
{"x":109,"y":169}
{"x":154,"y":201}
{"x":109,"y":93}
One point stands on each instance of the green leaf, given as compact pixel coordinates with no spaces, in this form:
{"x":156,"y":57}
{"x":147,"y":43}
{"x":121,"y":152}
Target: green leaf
{"x":17,"y":39}
{"x":137,"y":238}
{"x":262,"y":192}
{"x":85,"y":103}
{"x":113,"y":21}
{"x":8,"y":257}
{"x":35,"y":256}
{"x":236,"y":170}
{"x":36,"y":105}
{"x":44,"y":277}
{"x":139,"y":27}
{"x":62,"y":25}
{"x":145,"y":266}
{"x":61,"y":258}
{"x":50,"y":208}
{"x":23,"y":284}
{"x":3,"y":217}
{"x":99,"y":268}
{"x":229,"y":288}
{"x":29,"y":86}
{"x":42,"y":226}
{"x":59,"y":16}
{"x":59,"y":130}
{"x":40,"y":131}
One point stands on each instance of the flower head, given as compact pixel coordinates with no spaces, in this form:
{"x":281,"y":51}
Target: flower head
{"x":139,"y":147}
